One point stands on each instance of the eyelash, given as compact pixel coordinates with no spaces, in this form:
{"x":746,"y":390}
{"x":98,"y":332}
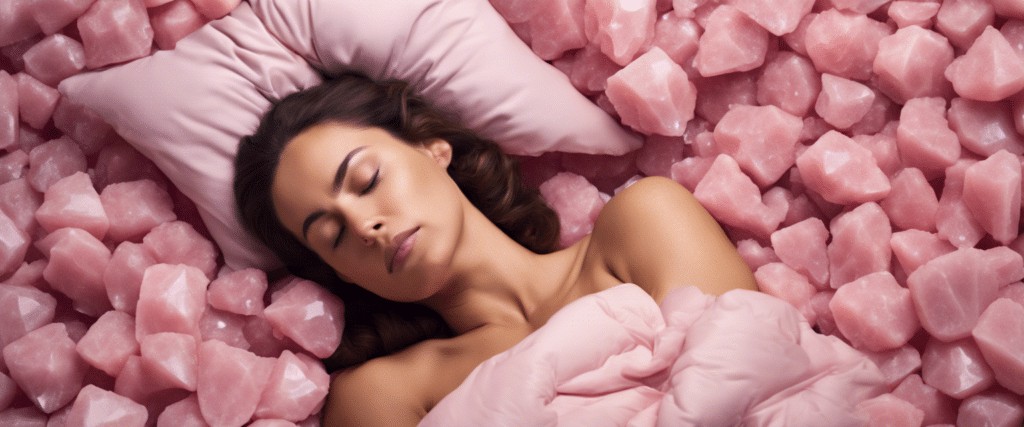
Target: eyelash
{"x":369,"y":187}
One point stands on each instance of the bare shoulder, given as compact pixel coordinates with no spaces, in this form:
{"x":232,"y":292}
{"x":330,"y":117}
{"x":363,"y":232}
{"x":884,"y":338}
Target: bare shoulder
{"x":376,"y":393}
{"x":400,"y":389}
{"x":657,"y":235}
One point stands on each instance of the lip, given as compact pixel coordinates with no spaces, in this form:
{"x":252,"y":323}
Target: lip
{"x":399,"y":251}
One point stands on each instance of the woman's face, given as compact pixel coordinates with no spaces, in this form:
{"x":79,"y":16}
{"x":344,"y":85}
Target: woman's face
{"x":384,"y":214}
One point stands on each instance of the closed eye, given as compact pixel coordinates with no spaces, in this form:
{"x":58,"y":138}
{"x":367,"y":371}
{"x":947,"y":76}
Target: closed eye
{"x":373,"y":182}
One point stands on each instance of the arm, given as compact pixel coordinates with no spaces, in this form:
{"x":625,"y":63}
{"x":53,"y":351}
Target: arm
{"x":371,"y":394}
{"x":655,"y":234}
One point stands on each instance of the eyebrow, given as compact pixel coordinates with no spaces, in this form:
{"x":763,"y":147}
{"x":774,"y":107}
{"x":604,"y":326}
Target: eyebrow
{"x":339,"y":177}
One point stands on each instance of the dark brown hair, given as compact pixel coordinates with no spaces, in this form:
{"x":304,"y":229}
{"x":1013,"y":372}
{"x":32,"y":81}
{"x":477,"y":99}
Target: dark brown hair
{"x":488,"y":177}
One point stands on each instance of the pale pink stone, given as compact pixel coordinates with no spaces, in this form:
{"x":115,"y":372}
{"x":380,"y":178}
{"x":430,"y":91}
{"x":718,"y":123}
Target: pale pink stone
{"x":985,"y":127}
{"x":1013,"y":292}
{"x":215,"y":9}
{"x":889,"y":410}
{"x":989,"y":71}
{"x":171,"y":299}
{"x":1013,"y":31}
{"x":937,"y":407}
{"x":13,"y":165}
{"x":955,"y":368}
{"x":679,"y":37}
{"x":23,"y":310}
{"x":795,"y":39}
{"x":790,"y":82}
{"x":686,"y":8}
{"x":1000,"y":337}
{"x":54,"y":160}
{"x":924,"y":138}
{"x":779,"y":17}
{"x":515,"y":11}
{"x":910,"y":12}
{"x":653,"y":95}
{"x":73,"y":202}
{"x":177,"y":242}
{"x":55,"y":58}
{"x":109,"y":342}
{"x":992,"y":407}
{"x":591,"y":69}
{"x":46,"y":366}
{"x":824,"y":322}
{"x":734,"y":199}
{"x":184,"y":413}
{"x":120,"y":162}
{"x":992,"y":193}
{"x":263,"y":339}
{"x":172,"y":358}
{"x":765,"y":151}
{"x":77,"y":261}
{"x":36,"y":100}
{"x":954,"y":221}
{"x":802,"y":247}
{"x":29,"y":138}
{"x":14,"y":244}
{"x":620,"y":27}
{"x":720,"y":93}
{"x":96,"y":407}
{"x":844,"y":43}
{"x":874,"y":312}
{"x":883,"y":113}
{"x":914,"y":248}
{"x":83,"y":125}
{"x":860,"y":244}
{"x":16,"y":22}
{"x":8,"y":390}
{"x":659,"y":153}
{"x":962,"y":21}
{"x":754,"y":254}
{"x":231,"y":382}
{"x":224,"y":326}
{"x":123,"y":276}
{"x":556,"y":27}
{"x":951,"y":291}
{"x":577,"y":203}
{"x":173,"y":21}
{"x":911,"y":63}
{"x":19,"y":202}
{"x":54,"y":15}
{"x":136,"y":382}
{"x":239,"y":292}
{"x":897,"y":364}
{"x":295,"y":389}
{"x":690,"y":171}
{"x":704,"y":144}
{"x":272,"y":423}
{"x":842,"y":171}
{"x":115,"y":31}
{"x":912,"y":202}
{"x":731,"y":42}
{"x":135,"y":208}
{"x":311,"y":316}
{"x":28,"y":416}
{"x":9,"y":129}
{"x":29,"y":275}
{"x":843,"y":102}
{"x":781,"y":281}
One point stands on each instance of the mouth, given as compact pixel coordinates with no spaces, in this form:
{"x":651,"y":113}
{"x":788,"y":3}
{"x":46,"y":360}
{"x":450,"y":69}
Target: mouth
{"x":401,"y":246}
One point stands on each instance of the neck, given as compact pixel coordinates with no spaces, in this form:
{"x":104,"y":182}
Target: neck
{"x":497,"y":281}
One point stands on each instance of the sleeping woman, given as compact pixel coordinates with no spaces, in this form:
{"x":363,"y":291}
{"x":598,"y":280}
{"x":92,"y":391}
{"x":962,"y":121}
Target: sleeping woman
{"x":442,"y":256}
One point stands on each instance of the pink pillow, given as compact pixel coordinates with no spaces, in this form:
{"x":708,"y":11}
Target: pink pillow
{"x":186,"y":108}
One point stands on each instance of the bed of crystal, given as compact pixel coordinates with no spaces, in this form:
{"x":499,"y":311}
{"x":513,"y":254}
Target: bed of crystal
{"x":864,"y":156}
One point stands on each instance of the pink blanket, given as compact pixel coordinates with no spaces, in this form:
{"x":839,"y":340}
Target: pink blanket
{"x":616,"y":358}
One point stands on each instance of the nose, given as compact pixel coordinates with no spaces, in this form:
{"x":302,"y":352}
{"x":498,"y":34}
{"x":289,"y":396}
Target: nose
{"x":366,"y":225}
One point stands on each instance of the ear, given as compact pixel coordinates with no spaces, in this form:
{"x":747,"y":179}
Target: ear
{"x":439,"y":150}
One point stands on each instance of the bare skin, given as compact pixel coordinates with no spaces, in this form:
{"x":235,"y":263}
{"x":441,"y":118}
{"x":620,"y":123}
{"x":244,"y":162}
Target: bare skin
{"x":492,"y":291}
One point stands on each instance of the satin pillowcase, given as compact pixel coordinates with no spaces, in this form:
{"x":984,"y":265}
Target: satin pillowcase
{"x":186,"y":109}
